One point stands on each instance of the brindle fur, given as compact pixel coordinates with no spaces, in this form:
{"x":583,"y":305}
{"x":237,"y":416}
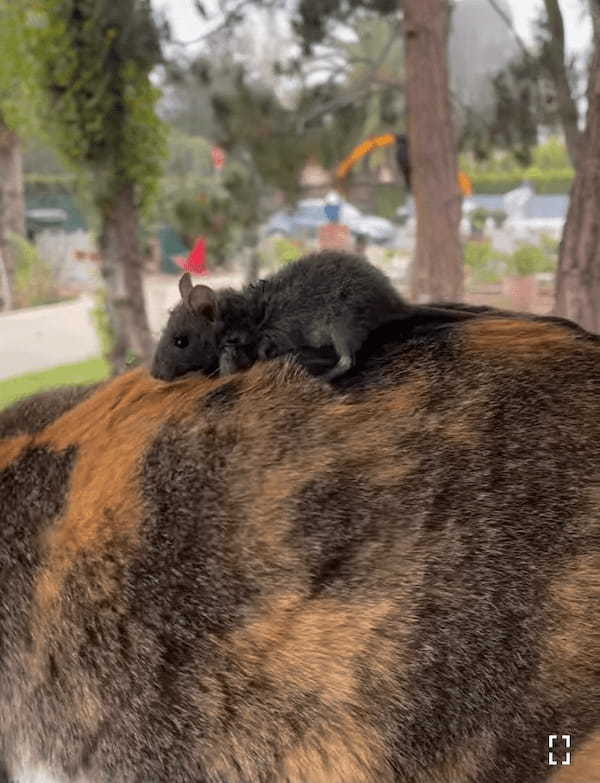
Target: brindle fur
{"x":265,"y":579}
{"x":32,"y":414}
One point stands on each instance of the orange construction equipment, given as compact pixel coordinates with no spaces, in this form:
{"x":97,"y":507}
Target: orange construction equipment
{"x":385,"y":140}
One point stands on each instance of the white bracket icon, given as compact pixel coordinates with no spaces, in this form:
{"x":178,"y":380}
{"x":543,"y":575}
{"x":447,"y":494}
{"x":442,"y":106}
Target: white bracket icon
{"x":566,"y":738}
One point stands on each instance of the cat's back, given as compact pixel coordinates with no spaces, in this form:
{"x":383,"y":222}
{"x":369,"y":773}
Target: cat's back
{"x":263,"y":579}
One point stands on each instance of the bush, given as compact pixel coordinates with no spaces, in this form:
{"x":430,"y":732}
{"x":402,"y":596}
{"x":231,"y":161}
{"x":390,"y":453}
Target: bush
{"x":388,"y":199}
{"x":286,"y":250}
{"x":528,"y":260}
{"x":550,"y":247}
{"x":485,"y":263}
{"x":551,"y":155}
{"x":42,"y":184}
{"x":33,"y":283}
{"x":479,"y":216}
{"x":499,"y":217}
{"x":210,"y":214}
{"x":543,"y":181}
{"x":477,"y":219}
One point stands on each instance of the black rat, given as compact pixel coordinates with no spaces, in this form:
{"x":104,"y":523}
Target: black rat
{"x":325,"y":299}
{"x":202,"y":327}
{"x":330,"y":298}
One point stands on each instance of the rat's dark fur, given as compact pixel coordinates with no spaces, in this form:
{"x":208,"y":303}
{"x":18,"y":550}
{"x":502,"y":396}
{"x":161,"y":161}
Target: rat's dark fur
{"x":327,"y":298}
{"x":203,"y":325}
{"x":323,"y":299}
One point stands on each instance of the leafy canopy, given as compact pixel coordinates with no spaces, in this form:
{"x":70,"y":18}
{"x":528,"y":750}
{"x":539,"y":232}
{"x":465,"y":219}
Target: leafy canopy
{"x":19,"y":71}
{"x":97,"y":56}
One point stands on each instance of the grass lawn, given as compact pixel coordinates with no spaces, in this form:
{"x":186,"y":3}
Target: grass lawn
{"x":89,"y":371}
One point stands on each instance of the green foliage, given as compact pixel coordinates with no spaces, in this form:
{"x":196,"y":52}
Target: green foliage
{"x":551,"y":171}
{"x":479,"y":216}
{"x":477,"y":219}
{"x":143,"y":135}
{"x":314,"y":16}
{"x":252,"y":120}
{"x":485,"y":264}
{"x":543,"y":181}
{"x":242,"y":184}
{"x":188,"y":157}
{"x":314,"y":123}
{"x":527,"y":260}
{"x":19,"y":69}
{"x":210,"y":214}
{"x":524,"y":101}
{"x":277,"y":251}
{"x":286,"y":250}
{"x":319,"y":123}
{"x":101,"y":321}
{"x":188,"y":173}
{"x":382,"y":104}
{"x":197,"y":201}
{"x":498,"y":216}
{"x":488,"y":265}
{"x":96,"y":56}
{"x":51,"y":183}
{"x":88,"y":371}
{"x":551,"y":250}
{"x":33,"y":277}
{"x":551,"y":156}
{"x":388,"y":198}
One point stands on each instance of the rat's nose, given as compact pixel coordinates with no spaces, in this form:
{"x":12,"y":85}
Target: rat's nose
{"x":161,"y":371}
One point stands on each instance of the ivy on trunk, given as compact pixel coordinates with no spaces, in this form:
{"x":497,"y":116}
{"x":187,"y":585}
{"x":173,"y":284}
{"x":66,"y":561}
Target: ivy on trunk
{"x":12,"y":208}
{"x":97,"y":56}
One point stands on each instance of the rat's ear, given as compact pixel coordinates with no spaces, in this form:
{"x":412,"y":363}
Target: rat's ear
{"x":202,"y":300}
{"x":185,"y":286}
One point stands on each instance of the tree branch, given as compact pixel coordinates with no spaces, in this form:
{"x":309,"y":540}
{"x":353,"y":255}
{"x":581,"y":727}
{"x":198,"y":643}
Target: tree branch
{"x":228,"y":17}
{"x":362,"y":85}
{"x":509,"y":23}
{"x":557,"y":66}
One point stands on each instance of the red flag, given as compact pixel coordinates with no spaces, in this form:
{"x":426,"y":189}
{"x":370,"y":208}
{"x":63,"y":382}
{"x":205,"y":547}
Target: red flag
{"x":218,"y":156}
{"x":196,"y":261}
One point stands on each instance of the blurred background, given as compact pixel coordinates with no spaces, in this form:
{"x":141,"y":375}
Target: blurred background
{"x":456,"y":144}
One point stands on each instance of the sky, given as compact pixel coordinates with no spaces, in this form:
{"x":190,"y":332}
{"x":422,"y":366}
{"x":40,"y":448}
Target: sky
{"x":187,"y":24}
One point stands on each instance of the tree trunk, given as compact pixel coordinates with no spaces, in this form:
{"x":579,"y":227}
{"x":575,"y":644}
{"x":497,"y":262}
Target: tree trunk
{"x":578,"y":276}
{"x":567,"y":108}
{"x":253,"y":257}
{"x":12,"y":207}
{"x":253,"y":268}
{"x":438,"y":264}
{"x":122,"y":267}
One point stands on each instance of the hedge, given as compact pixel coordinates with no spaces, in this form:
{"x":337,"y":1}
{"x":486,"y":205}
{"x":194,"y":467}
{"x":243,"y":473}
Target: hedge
{"x":50,"y":183}
{"x":543,"y":181}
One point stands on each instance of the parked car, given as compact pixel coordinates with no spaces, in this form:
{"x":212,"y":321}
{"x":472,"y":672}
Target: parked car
{"x":309,"y":215}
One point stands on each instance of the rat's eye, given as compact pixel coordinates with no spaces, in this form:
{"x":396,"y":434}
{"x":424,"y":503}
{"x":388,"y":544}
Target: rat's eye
{"x":181,"y":341}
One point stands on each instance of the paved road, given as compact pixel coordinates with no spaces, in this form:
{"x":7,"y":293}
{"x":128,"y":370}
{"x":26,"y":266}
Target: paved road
{"x":38,"y":338}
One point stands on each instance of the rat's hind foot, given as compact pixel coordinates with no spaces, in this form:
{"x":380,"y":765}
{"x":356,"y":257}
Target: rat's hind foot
{"x":344,"y":364}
